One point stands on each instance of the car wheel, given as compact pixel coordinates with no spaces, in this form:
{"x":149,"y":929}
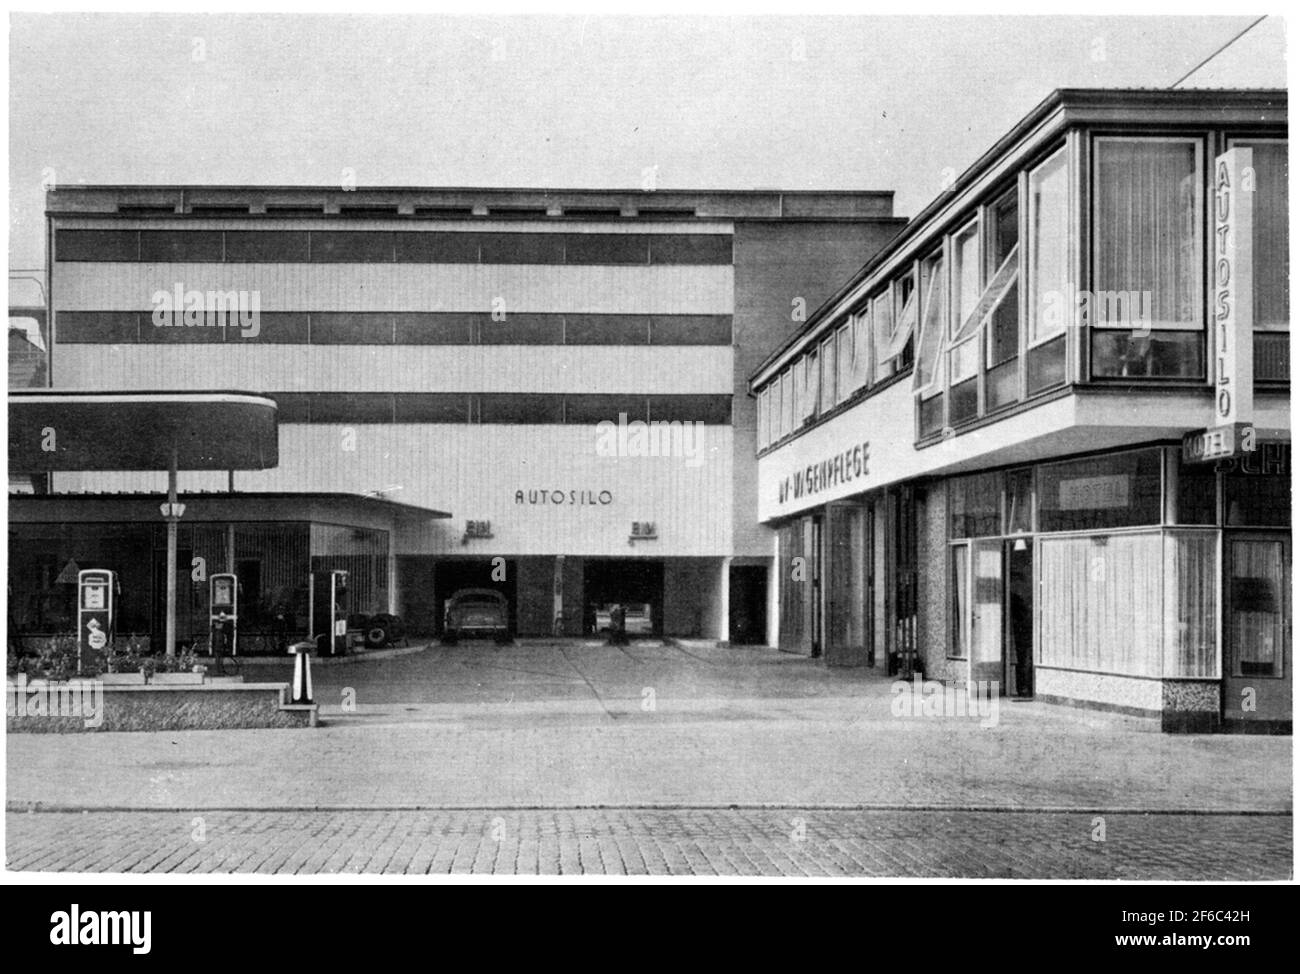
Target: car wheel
{"x":376,"y":635}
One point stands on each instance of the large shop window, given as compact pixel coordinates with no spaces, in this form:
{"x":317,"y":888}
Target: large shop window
{"x":1272,"y":260}
{"x":1132,"y":604}
{"x":1100,"y":492}
{"x":975,"y":505}
{"x":1191,"y":603}
{"x":1147,"y":312}
{"x":1048,"y":281}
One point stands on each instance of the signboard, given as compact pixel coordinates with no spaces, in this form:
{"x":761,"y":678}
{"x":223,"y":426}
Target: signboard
{"x":840,"y":468}
{"x":1094,"y":493}
{"x":1234,"y":304}
{"x":1218,"y":443}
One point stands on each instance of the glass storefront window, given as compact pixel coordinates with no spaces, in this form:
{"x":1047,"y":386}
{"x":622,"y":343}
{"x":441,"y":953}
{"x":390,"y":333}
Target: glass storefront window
{"x":975,"y":505}
{"x":1191,"y":604}
{"x":1257,"y":489}
{"x":1114,"y":491}
{"x":1197,"y":494}
{"x":1099,"y":600}
{"x":1020,"y":502}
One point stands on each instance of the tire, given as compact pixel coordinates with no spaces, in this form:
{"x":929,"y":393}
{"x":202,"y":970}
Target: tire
{"x":376,"y":634}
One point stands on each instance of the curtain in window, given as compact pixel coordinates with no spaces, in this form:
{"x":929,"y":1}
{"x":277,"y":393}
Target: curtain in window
{"x":931,"y":342}
{"x":1191,"y":575}
{"x":1146,"y":233}
{"x":1272,"y":238}
{"x":844,"y":386}
{"x":787,"y":403}
{"x":808,"y":398}
{"x":1258,"y":574}
{"x":861,"y":372}
{"x":826,"y":400}
{"x":1100,"y":603}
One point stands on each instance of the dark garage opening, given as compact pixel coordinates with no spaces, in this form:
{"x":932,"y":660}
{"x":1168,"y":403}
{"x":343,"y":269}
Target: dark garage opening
{"x":622,"y":581}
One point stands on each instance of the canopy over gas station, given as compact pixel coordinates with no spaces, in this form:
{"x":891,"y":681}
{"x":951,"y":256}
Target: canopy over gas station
{"x":52,"y":430}
{"x":60,"y":430}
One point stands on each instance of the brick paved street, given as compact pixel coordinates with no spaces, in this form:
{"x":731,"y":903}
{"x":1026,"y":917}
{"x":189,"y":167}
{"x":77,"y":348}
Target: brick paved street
{"x":658,"y":742}
{"x":705,"y":842}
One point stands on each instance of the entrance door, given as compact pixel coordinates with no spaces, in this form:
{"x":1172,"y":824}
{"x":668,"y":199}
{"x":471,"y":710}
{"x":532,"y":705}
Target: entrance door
{"x":1019,"y":674}
{"x":816,"y":606}
{"x":1257,"y":631}
{"x":986,"y":612}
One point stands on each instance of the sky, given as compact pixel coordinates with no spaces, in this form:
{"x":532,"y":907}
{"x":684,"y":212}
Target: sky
{"x":713,"y":103}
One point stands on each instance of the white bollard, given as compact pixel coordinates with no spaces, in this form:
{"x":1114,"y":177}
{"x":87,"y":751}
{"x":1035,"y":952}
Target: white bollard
{"x":301,"y":692}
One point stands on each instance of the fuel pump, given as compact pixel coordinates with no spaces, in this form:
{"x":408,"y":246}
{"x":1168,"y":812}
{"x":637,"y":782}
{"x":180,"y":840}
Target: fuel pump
{"x":96,"y":589}
{"x":329,"y":613}
{"x":223,"y":614}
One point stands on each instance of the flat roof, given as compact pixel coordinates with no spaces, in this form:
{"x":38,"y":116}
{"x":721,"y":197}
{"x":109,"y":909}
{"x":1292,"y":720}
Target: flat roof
{"x":66,"y":430}
{"x":303,"y":500}
{"x":129,"y":200}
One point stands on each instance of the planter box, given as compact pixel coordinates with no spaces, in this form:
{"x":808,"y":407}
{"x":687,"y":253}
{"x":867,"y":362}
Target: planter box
{"x":177,"y":679}
{"x":121,"y":679}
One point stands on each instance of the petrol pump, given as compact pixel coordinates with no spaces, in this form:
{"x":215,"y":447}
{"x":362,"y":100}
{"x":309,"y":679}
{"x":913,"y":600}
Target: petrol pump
{"x":329,"y":613}
{"x":223,"y":614}
{"x":96,"y":588}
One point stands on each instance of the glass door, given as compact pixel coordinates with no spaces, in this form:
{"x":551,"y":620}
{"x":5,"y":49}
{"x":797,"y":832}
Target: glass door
{"x":986,"y":612}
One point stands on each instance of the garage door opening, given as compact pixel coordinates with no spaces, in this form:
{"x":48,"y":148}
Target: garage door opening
{"x":454,"y":574}
{"x":629,"y":582}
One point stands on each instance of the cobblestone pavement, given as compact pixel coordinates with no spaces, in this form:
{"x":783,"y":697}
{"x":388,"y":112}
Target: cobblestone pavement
{"x":694,"y":842}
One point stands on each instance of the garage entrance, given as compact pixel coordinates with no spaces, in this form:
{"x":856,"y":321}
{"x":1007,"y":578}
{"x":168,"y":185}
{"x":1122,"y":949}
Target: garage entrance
{"x":624,"y":581}
{"x":450,"y":575}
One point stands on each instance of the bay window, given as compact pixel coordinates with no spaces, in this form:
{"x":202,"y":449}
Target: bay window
{"x":1146,"y":307}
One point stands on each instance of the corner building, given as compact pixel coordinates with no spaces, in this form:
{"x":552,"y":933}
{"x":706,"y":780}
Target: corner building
{"x":1043,"y":437}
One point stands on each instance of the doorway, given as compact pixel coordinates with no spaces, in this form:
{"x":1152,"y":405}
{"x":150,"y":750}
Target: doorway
{"x":1019,"y":675}
{"x":748,"y":623}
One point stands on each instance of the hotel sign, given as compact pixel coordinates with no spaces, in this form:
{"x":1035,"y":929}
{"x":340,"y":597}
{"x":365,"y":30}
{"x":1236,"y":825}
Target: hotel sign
{"x":1218,"y":443}
{"x":1234,"y":304}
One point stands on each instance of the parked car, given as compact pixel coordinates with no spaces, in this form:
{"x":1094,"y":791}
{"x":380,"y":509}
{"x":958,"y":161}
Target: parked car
{"x":476,"y":613}
{"x":637,"y":618}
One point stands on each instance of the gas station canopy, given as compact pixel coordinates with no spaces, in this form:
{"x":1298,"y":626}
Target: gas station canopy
{"x":53,"y":430}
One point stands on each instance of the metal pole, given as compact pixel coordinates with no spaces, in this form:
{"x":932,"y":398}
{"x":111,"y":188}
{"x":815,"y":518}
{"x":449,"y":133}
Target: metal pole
{"x":171,"y":557}
{"x":230,"y":547}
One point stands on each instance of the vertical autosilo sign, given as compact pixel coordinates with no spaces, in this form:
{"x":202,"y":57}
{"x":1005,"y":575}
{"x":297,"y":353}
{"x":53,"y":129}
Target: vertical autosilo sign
{"x":1234,"y":305}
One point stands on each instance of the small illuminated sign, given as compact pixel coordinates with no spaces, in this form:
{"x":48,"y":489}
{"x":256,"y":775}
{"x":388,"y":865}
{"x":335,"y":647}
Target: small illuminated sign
{"x":1218,"y":443}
